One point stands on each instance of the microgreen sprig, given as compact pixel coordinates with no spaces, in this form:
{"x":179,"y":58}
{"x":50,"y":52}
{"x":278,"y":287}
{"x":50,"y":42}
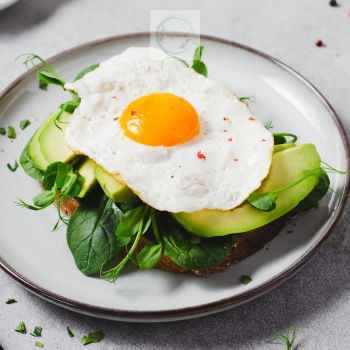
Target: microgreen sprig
{"x":197,"y":64}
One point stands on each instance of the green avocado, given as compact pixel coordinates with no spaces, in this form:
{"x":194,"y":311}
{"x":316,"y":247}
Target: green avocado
{"x":287,"y":166}
{"x":113,"y":188}
{"x":48,"y":144}
{"x":52,"y":142}
{"x":87,"y":170}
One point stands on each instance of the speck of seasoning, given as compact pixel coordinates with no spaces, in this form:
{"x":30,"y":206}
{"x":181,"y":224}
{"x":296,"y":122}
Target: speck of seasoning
{"x":21,"y":328}
{"x":230,"y":139}
{"x":245,"y":279}
{"x":133,"y":113}
{"x":116,"y":118}
{"x":334,"y":3}
{"x":24,"y":124}
{"x":11,"y":301}
{"x":226,"y":119}
{"x":11,"y":132}
{"x":263,"y":140}
{"x":2,"y":131}
{"x":39,"y":344}
{"x":320,"y":43}
{"x":115,"y":97}
{"x":225,"y":130}
{"x":252,"y":119}
{"x":290,"y":231}
{"x":201,"y":155}
{"x":172,"y":176}
{"x":235,"y":159}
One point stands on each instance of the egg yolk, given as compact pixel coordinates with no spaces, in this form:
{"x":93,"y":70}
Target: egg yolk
{"x":160,"y":119}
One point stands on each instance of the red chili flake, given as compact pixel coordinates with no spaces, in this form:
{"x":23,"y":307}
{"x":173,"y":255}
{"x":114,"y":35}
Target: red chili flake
{"x":201,"y":155}
{"x":230,"y":139}
{"x":133,"y":113}
{"x":252,"y":119}
{"x":235,"y":159}
{"x":320,"y":43}
{"x":334,"y":3}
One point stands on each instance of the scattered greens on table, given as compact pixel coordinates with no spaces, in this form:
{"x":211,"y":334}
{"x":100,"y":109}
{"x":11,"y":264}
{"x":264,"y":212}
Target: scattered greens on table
{"x":21,"y":328}
{"x":11,"y":301}
{"x":92,"y":337}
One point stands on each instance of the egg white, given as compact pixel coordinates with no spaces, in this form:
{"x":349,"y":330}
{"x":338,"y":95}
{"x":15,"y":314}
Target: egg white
{"x":218,"y":169}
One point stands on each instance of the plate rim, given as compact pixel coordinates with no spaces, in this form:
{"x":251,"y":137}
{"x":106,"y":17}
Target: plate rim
{"x":206,"y":308}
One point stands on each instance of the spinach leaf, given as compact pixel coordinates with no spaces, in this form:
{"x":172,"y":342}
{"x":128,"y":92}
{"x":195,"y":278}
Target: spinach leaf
{"x":85,"y":71}
{"x":149,"y":256}
{"x":129,"y":225}
{"x":90,"y":235}
{"x":320,"y":190}
{"x":191,"y":252}
{"x":28,"y":165}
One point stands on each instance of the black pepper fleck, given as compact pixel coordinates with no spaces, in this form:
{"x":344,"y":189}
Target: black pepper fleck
{"x":334,"y":3}
{"x":320,"y":43}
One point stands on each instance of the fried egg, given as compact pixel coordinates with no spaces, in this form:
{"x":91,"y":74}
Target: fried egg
{"x":180,"y":141}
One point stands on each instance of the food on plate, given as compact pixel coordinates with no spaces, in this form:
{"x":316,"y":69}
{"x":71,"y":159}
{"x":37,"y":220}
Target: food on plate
{"x":151,"y":162}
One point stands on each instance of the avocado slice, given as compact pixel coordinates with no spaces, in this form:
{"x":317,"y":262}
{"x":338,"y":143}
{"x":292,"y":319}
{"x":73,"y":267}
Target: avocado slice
{"x":112,"y":187}
{"x":52,"y":142}
{"x":87,"y":171}
{"x":286,"y":167}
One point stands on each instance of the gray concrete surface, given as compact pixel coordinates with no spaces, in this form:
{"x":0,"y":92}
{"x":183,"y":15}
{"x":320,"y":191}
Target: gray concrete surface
{"x":317,"y":300}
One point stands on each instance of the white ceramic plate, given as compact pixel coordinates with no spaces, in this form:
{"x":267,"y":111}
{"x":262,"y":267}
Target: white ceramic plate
{"x":41,"y":260}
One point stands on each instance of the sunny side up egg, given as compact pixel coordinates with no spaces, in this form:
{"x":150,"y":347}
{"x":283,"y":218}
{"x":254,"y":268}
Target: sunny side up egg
{"x":180,"y":141}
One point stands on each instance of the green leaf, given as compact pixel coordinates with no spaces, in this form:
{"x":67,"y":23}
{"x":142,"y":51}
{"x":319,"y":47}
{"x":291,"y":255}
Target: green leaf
{"x":192,"y":252}
{"x":2,"y":131}
{"x":37,"y":331}
{"x":85,"y":71}
{"x":284,"y":137}
{"x":93,"y":337}
{"x":24,"y":124}
{"x":11,"y":132}
{"x":44,"y":199}
{"x":90,"y":234}
{"x":46,"y":78}
{"x":39,"y":344}
{"x":62,"y":171}
{"x":71,"y":105}
{"x":198,"y":65}
{"x":13,"y":167}
{"x":129,"y":224}
{"x":28,"y":165}
{"x":21,"y":328}
{"x":149,"y":256}
{"x":263,"y":201}
{"x":320,"y":190}
{"x":244,"y":99}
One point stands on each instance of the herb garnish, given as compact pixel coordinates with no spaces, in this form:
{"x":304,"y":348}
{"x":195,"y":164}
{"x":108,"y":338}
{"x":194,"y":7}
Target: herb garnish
{"x":21,"y":328}
{"x":11,"y":132}
{"x":39,"y":344}
{"x":85,"y":71}
{"x":287,"y":339}
{"x":13,"y":167}
{"x":23,"y":124}
{"x":92,"y":337}
{"x":198,"y":65}
{"x":11,"y":301}
{"x":245,"y":279}
{"x":70,"y":332}
{"x":37,"y":331}
{"x":244,"y":99}
{"x":268,"y":125}
{"x":2,"y":131}
{"x":284,"y":137}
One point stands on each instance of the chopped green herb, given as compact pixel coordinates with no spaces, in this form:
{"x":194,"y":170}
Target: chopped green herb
{"x":70,"y":332}
{"x":37,"y":331}
{"x":85,"y":71}
{"x":92,"y":337}
{"x":244,"y":99}
{"x":11,"y":132}
{"x":13,"y":167}
{"x":2,"y":131}
{"x":268,"y":125}
{"x":245,"y":279}
{"x":11,"y":301}
{"x":21,"y":328}
{"x":284,"y":137}
{"x":24,"y":124}
{"x":288,"y":339}
{"x":39,"y":344}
